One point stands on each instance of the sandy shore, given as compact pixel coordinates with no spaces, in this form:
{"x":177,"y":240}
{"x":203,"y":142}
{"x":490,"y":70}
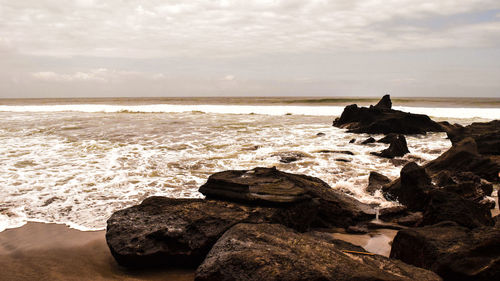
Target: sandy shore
{"x":39,"y":251}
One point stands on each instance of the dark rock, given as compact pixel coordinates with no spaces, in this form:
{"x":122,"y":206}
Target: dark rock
{"x":271,"y":187}
{"x":413,"y":219}
{"x":342,"y":160}
{"x":412,"y":188}
{"x":387,"y":214}
{"x":290,"y":156}
{"x":398,"y":147}
{"x":468,"y":190}
{"x":487,"y":188}
{"x":452,"y":251}
{"x":486,"y":135}
{"x":180,"y":232}
{"x":376,"y":181}
{"x":357,"y":229}
{"x":383,"y":225}
{"x":464,"y":157}
{"x":320,"y":134}
{"x":448,"y":206}
{"x":368,"y":140}
{"x":336,"y":151}
{"x":380,"y":120}
{"x":273,"y":252}
{"x":389,"y":138}
{"x":384,"y":103}
{"x":352,"y":141}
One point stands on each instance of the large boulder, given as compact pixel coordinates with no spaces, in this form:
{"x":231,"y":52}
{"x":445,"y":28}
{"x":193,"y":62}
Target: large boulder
{"x":464,"y":157}
{"x":273,"y":252}
{"x":271,"y":187}
{"x":486,"y":135}
{"x":376,"y":181}
{"x":452,"y":251}
{"x":180,"y":232}
{"x":384,"y":103}
{"x":397,"y":148}
{"x":381,"y":119}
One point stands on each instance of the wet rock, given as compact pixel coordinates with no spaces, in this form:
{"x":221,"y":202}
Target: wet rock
{"x":486,"y":135}
{"x":179,"y":232}
{"x":352,"y":141}
{"x":357,"y":229}
{"x":398,"y":147}
{"x":383,"y":120}
{"x":347,"y":152}
{"x":384,"y":103}
{"x":273,"y":252}
{"x":412,"y":188}
{"x":389,"y":138}
{"x":368,"y":140}
{"x":376,"y":181}
{"x":464,"y":157}
{"x":448,"y":206}
{"x":320,"y":134}
{"x":290,"y":156}
{"x":268,"y":186}
{"x":387,"y":214}
{"x":452,"y":251}
{"x":413,"y":219}
{"x":342,"y":160}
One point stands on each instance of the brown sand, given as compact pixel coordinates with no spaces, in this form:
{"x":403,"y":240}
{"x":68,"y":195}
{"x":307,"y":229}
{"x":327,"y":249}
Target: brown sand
{"x":39,"y":251}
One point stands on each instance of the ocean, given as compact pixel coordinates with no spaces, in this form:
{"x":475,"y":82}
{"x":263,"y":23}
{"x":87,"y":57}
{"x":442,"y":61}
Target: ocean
{"x":76,"y":161}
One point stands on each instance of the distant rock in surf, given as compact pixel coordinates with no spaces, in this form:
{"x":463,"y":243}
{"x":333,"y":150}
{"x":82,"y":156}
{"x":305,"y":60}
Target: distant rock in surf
{"x":381,"y":119}
{"x":397,"y":148}
{"x":368,"y":140}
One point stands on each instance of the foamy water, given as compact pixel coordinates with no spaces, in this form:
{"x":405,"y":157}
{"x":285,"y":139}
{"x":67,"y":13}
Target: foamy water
{"x":76,"y":164}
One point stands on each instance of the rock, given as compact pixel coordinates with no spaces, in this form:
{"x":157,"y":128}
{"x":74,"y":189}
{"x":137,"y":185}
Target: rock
{"x":412,"y":188}
{"x":352,"y":141}
{"x":382,"y":120}
{"x":368,"y":140}
{"x":413,"y":219}
{"x":342,"y":160}
{"x":290,"y":156}
{"x":179,"y":232}
{"x":448,"y":206}
{"x":468,"y":190}
{"x":464,"y":157}
{"x":376,"y":181}
{"x":486,"y":135}
{"x":272,"y":252}
{"x":320,"y":134}
{"x":452,"y":251}
{"x":387,"y":214}
{"x":389,"y":138}
{"x":357,"y":229}
{"x":268,"y":186}
{"x":336,"y":151}
{"x":384,"y":103}
{"x":398,"y":147}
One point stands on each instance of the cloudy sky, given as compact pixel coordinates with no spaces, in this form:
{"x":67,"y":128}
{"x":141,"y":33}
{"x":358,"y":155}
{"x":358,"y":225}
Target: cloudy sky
{"x":91,"y":48}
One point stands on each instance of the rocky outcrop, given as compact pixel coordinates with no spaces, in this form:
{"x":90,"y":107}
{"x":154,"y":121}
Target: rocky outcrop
{"x":380,"y":119}
{"x":384,"y":103}
{"x":368,"y":140}
{"x":397,"y":148}
{"x":486,"y":135}
{"x":273,"y":252}
{"x":389,"y":138}
{"x":376,"y":181}
{"x":268,"y":186}
{"x":452,"y":251}
{"x":180,"y":232}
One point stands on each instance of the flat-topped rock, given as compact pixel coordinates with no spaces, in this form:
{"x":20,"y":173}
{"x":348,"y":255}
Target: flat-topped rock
{"x":381,"y":119}
{"x":269,"y":186}
{"x":272,"y":252}
{"x":485,"y":134}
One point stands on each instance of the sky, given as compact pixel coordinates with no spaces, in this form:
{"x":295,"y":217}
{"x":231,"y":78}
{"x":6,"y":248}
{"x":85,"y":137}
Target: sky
{"x":150,"y":48}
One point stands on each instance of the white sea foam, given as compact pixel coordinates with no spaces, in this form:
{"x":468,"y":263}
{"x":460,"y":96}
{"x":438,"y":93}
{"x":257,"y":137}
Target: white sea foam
{"x":485,"y":113}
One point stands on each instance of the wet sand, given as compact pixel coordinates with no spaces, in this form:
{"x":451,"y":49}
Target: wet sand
{"x":39,"y":251}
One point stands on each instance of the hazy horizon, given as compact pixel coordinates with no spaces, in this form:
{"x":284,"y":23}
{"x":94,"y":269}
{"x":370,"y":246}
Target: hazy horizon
{"x":201,"y":48}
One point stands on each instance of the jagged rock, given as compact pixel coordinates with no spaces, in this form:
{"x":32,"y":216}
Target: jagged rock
{"x":180,"y":232}
{"x":384,"y":103}
{"x":486,"y":135}
{"x":464,"y":157}
{"x":368,"y":140}
{"x":269,"y":186}
{"x":412,"y":188}
{"x":448,"y":206}
{"x":389,"y":138}
{"x":398,"y":147}
{"x":273,"y":252}
{"x":352,"y":141}
{"x":380,"y":120}
{"x":376,"y":181}
{"x":452,"y":251}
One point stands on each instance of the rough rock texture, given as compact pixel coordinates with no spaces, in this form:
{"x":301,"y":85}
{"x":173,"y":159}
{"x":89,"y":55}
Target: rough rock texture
{"x":389,"y":138}
{"x":452,"y":251}
{"x":376,"y":181}
{"x":180,"y":232}
{"x":464,"y":157}
{"x":398,"y":147}
{"x":412,"y":188}
{"x":273,"y":252}
{"x":269,"y":186}
{"x":384,"y":103}
{"x":382,"y":120}
{"x":486,"y":135}
{"x":448,"y":206}
{"x":368,"y":140}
